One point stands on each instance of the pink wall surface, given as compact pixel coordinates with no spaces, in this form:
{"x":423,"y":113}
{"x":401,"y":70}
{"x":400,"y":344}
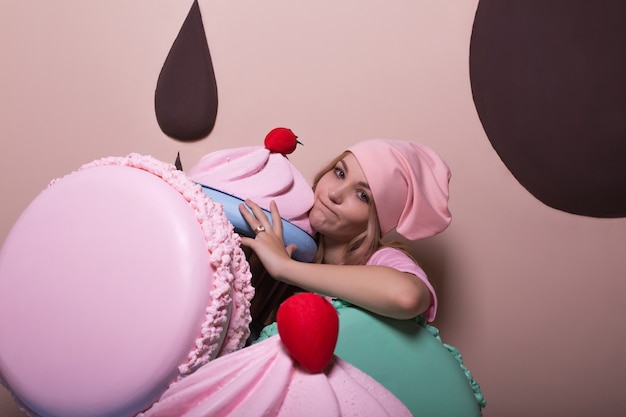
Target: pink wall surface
{"x":531,"y":296}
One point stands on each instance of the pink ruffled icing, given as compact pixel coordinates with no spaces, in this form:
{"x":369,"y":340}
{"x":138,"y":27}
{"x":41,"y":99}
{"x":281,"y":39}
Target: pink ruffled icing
{"x":263,"y":380}
{"x":260,"y":175}
{"x":225,"y":327}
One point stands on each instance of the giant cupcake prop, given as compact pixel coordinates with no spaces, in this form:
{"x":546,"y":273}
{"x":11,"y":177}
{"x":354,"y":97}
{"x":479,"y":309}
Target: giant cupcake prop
{"x":293,"y":374}
{"x":262,"y":174}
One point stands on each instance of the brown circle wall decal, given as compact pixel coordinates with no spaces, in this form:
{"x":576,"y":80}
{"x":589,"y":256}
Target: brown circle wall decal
{"x":185,"y":99}
{"x":549,"y":84}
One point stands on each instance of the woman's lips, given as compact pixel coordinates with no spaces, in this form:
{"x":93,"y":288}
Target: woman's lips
{"x":321,"y":212}
{"x":325,"y":208}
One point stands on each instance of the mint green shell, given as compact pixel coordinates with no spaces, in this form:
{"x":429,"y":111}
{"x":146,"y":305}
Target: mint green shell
{"x":410,"y":360}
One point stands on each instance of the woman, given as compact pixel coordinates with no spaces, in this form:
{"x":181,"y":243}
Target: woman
{"x":374,"y":187}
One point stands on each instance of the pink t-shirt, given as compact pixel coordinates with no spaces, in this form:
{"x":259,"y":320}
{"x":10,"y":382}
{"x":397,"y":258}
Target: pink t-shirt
{"x":396,"y":259}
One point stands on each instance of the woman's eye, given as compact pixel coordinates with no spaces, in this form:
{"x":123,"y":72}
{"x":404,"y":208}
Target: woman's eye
{"x":339,"y":173}
{"x":363,"y":196}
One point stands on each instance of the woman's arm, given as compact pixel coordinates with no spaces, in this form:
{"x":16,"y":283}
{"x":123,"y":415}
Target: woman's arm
{"x":382,"y":290}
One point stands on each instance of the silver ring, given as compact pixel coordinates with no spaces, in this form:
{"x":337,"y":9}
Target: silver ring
{"x":259,"y":229}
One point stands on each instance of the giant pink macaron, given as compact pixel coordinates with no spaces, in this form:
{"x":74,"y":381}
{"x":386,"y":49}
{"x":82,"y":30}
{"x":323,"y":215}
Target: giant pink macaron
{"x":117,"y":280}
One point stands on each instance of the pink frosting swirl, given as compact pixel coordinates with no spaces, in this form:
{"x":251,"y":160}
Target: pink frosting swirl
{"x":264,"y":380}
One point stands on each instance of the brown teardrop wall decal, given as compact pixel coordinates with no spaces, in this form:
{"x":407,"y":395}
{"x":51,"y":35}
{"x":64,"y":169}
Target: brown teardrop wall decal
{"x":186,"y":93}
{"x":549,"y":84}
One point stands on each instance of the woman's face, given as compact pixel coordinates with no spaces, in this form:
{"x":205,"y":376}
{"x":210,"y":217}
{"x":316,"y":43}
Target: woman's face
{"x":342,"y":201}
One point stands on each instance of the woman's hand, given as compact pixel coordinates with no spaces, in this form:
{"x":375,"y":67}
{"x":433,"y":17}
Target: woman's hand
{"x":268,"y":243}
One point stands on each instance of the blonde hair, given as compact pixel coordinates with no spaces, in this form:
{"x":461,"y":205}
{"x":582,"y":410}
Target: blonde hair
{"x":361,"y":248}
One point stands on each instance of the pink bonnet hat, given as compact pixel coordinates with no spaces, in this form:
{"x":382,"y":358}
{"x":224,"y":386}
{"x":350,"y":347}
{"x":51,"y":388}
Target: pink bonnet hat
{"x":409,"y":183}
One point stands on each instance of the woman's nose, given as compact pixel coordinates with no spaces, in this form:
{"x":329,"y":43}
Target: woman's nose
{"x":335,"y":194}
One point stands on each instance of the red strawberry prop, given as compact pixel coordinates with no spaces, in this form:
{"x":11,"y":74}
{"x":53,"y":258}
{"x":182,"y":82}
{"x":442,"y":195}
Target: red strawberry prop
{"x":308,"y":326}
{"x":281,"y":140}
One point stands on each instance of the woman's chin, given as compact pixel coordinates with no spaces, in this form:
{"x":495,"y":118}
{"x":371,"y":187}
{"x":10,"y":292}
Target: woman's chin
{"x":316,"y":218}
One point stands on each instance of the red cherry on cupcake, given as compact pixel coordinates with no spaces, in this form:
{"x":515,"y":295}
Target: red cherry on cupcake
{"x":281,"y":140}
{"x":308,"y":326}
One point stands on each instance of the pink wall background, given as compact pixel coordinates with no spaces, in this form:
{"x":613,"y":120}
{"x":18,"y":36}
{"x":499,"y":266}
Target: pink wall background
{"x":530,"y":295}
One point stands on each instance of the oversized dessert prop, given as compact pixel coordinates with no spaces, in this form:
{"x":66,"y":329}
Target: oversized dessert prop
{"x":308,"y":326}
{"x":117,"y":280}
{"x":262,"y":174}
{"x":408,"y":358}
{"x":264,"y":380}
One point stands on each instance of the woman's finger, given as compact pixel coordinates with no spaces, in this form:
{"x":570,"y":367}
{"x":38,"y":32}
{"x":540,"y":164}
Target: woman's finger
{"x":248,"y":242}
{"x":248,"y":216}
{"x":277,"y":222}
{"x":291,"y":249}
{"x":259,"y":214}
{"x":256,"y":217}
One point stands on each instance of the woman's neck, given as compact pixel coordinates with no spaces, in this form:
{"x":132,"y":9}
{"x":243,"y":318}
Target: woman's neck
{"x":334,"y":252}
